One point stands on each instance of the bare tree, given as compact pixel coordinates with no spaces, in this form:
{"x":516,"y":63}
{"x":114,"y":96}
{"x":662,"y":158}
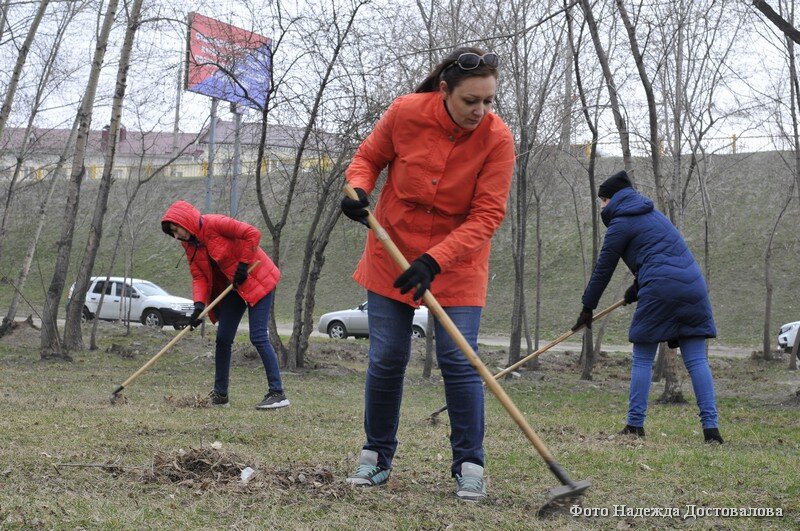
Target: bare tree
{"x":613,"y":93}
{"x":652,"y":111}
{"x":50,"y":344}
{"x":72,"y":329}
{"x":587,"y":352}
{"x":45,"y":84}
{"x":22,"y":56}
{"x":534,"y":76}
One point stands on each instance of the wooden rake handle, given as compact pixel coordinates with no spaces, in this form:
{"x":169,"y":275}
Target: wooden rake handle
{"x":557,"y":340}
{"x":458,"y":338}
{"x":544,"y":349}
{"x":179,"y":335}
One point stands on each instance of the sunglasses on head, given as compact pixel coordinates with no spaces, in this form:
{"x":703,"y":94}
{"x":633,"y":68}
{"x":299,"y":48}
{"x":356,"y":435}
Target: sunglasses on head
{"x":471,"y":61}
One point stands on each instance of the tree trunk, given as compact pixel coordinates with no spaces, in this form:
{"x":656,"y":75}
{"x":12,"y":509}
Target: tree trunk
{"x":50,"y":340}
{"x":568,"y":101}
{"x":587,"y":355}
{"x":519,"y":236}
{"x":537,"y":320}
{"x":601,"y":328}
{"x":22,"y":56}
{"x":73,"y":339}
{"x":37,"y":100}
{"x":276,"y":227}
{"x":4,"y":18}
{"x":767,"y":349}
{"x":675,"y":212}
{"x":779,"y":22}
{"x":652,"y":111}
{"x":326,"y":214}
{"x":672,"y":385}
{"x":41,"y":217}
{"x":622,"y":127}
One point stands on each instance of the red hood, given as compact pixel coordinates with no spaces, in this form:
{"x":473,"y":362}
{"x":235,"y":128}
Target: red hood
{"x":183,"y":214}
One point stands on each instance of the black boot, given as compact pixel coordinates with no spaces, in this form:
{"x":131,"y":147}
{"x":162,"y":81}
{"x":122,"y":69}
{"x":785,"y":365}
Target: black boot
{"x":633,"y":430}
{"x":712,"y":435}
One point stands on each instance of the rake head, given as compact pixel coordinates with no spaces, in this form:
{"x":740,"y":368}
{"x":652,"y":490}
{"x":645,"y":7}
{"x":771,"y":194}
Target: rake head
{"x":116,"y":396}
{"x":559,"y":496}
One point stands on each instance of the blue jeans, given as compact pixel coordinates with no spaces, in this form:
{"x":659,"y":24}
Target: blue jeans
{"x":229,"y":313}
{"x":693,"y":351}
{"x":389,"y":352}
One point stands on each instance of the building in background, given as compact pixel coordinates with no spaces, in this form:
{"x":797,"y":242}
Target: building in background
{"x":144,"y":152}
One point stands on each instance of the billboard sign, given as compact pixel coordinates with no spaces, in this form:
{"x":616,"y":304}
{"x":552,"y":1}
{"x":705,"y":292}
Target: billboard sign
{"x":226,"y":62}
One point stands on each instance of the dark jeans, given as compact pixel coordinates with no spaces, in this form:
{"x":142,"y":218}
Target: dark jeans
{"x":229,"y":313}
{"x":389,"y":352}
{"x":693,"y":351}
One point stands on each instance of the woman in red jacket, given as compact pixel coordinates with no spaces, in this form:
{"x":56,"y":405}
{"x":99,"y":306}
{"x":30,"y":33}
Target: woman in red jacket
{"x":450,"y":161}
{"x":219,"y":250}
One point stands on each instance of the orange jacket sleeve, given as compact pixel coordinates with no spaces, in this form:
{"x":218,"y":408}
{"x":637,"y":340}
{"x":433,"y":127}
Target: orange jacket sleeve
{"x":374,"y":153}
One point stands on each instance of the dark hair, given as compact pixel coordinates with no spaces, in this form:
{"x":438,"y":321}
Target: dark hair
{"x":449,"y":72}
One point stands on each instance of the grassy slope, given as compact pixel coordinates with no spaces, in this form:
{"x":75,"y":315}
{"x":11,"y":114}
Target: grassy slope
{"x":746,"y":196}
{"x":52,"y":416}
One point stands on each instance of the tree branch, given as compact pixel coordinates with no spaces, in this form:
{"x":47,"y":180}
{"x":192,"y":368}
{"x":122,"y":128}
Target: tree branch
{"x":781,"y":23}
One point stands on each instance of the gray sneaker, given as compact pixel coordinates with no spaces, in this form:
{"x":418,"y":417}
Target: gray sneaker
{"x":470,"y":485}
{"x":368,"y":474}
{"x":273,"y":400}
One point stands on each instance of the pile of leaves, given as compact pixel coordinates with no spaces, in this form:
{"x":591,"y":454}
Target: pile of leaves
{"x":210,"y":467}
{"x":195,"y":401}
{"x":195,"y":467}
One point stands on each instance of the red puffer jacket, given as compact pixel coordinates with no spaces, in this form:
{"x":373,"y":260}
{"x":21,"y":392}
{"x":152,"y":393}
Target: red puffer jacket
{"x":223,"y":241}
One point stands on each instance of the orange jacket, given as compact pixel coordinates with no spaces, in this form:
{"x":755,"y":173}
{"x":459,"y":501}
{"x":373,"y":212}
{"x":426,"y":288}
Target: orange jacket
{"x":226,"y":242}
{"x":445,"y":195}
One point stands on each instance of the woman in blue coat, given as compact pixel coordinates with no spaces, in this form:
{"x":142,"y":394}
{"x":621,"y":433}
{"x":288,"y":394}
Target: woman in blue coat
{"x":673,"y":297}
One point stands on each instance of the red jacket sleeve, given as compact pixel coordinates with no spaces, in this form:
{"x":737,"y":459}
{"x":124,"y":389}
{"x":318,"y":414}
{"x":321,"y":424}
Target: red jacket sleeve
{"x":374,"y":153}
{"x":487,"y":209}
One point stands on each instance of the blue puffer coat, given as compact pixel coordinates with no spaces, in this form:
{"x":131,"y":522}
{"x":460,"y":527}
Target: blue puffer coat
{"x":673,"y":296}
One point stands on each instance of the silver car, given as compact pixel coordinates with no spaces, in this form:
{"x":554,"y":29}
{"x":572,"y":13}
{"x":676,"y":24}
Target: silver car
{"x":344,"y":323}
{"x":786,"y":336}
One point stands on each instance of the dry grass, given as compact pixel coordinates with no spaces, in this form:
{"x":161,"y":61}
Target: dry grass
{"x":155,"y":460}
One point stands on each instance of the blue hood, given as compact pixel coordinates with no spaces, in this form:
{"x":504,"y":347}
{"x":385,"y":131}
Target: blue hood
{"x":626,"y":202}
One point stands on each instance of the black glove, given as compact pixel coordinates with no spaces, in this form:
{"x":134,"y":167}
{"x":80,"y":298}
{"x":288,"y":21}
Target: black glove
{"x":355,"y":209}
{"x":241,"y":275}
{"x":585,"y":318}
{"x":418,"y":275}
{"x":632,"y":293}
{"x":194,"y":322}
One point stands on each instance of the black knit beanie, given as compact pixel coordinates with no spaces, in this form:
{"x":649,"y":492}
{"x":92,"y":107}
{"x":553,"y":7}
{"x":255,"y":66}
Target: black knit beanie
{"x":614,"y":184}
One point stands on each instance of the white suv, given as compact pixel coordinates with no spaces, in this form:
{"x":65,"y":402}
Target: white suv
{"x":148,"y":303}
{"x":786,"y":336}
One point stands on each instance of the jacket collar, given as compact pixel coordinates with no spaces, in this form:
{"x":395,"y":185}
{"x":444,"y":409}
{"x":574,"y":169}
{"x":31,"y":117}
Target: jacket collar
{"x":446,"y":122}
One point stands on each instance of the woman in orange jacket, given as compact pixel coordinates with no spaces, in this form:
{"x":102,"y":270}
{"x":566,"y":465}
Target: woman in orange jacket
{"x":450,"y":161}
{"x":219,"y":250}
